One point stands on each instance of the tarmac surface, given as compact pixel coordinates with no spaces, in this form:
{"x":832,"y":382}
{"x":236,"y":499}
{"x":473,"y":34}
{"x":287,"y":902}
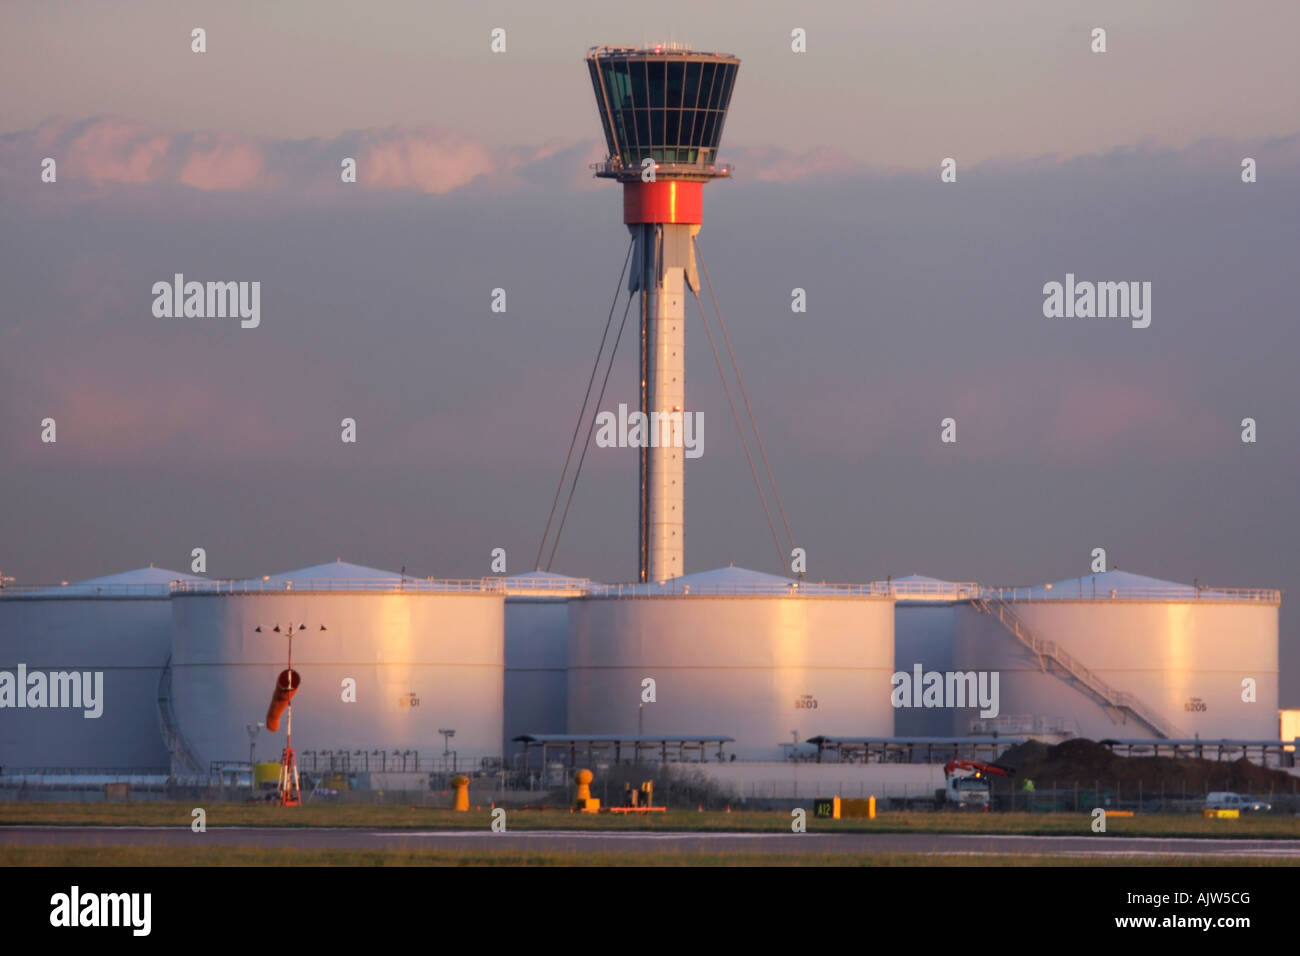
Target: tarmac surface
{"x":588,"y":841}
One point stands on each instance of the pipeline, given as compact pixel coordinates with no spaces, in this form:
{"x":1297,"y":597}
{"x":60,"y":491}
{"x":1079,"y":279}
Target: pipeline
{"x":286,"y":685}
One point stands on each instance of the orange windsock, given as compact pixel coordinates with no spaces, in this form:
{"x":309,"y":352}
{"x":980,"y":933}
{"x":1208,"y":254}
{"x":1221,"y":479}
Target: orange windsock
{"x":286,"y":685}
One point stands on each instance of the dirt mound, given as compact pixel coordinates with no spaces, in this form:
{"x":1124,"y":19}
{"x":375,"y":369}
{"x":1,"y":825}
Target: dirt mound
{"x":1086,"y":762}
{"x":1031,"y":752}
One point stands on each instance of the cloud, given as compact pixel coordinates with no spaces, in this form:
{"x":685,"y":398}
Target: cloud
{"x":432,"y":161}
{"x":421,"y":159}
{"x":109,"y":150}
{"x":1071,"y":414}
{"x":131,"y":402}
{"x":783,"y":166}
{"x":1215,"y":153}
{"x":221,"y":163}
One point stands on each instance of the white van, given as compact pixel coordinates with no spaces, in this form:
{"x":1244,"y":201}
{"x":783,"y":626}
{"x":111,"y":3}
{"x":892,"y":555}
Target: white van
{"x":1224,"y":800}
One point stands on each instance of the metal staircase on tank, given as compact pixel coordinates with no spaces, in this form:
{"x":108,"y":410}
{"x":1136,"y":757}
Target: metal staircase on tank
{"x":1067,"y":666}
{"x":183,"y":759}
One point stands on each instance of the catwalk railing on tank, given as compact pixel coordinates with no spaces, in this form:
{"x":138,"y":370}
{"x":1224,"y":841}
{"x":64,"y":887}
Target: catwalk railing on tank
{"x":940,"y":590}
{"x":272,"y":586}
{"x":1174,"y":592}
{"x":65,"y":590}
{"x":181,"y":752}
{"x":1006,"y":724}
{"x":936,"y":590}
{"x":796,"y":589}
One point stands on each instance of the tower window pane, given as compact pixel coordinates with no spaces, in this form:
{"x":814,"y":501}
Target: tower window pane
{"x":687,"y":134}
{"x":658,"y":81}
{"x":643,"y":140}
{"x":731,"y":81}
{"x":657,"y":127}
{"x":704,"y":132}
{"x":672,"y":127}
{"x":675,"y":74}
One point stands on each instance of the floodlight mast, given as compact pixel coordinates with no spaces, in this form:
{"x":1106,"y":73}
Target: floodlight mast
{"x":289,"y":792}
{"x":662,"y":110}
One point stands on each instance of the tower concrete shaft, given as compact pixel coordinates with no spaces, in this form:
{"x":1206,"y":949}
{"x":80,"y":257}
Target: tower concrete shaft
{"x":662,"y":110}
{"x":664,"y":273}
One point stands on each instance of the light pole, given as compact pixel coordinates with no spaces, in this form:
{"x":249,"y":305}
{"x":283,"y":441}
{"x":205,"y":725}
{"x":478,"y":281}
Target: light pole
{"x":252,"y":743}
{"x":447,"y":734}
{"x":286,"y":685}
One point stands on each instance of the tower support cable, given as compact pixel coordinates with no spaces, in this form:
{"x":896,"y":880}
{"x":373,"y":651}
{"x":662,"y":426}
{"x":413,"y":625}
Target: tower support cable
{"x":744,"y":442}
{"x":744,"y":394}
{"x":582,"y":412}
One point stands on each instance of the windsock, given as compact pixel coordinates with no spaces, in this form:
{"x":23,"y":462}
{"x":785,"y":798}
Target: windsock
{"x":286,"y":685}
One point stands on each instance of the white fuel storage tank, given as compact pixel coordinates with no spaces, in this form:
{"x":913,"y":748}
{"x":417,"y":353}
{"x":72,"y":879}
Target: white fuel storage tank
{"x":1122,"y":655}
{"x":756,"y":657}
{"x":96,"y":650}
{"x":537,"y":653}
{"x":399,"y":660}
{"x":925,"y":628}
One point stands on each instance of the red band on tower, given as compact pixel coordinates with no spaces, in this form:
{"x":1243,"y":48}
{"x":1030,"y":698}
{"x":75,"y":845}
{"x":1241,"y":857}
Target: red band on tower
{"x":667,"y":201}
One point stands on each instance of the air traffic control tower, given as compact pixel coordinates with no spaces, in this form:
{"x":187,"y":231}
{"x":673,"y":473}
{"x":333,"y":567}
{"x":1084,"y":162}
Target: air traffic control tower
{"x":662,"y":110}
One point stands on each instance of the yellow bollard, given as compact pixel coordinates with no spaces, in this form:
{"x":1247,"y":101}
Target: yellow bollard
{"x":871,"y":807}
{"x":582,"y":800}
{"x":583,"y":779}
{"x":460,"y":783}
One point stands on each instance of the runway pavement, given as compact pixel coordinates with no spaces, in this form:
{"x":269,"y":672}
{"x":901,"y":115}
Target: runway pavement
{"x":628,"y":842}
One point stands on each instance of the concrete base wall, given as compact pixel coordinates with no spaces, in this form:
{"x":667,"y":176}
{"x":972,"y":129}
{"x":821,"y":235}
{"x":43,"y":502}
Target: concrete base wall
{"x":768,"y":781}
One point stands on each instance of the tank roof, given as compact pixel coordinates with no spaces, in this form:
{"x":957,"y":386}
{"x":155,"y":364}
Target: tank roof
{"x":149,"y":575}
{"x":1112,"y":585}
{"x":340,"y":575}
{"x":140,"y":582}
{"x":333,"y":571}
{"x":732,"y":575}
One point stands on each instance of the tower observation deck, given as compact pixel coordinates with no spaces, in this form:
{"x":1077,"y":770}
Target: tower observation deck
{"x":662,"y":110}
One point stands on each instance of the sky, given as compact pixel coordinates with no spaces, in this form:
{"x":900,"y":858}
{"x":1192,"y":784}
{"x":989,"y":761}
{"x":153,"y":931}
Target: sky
{"x":924,"y":298}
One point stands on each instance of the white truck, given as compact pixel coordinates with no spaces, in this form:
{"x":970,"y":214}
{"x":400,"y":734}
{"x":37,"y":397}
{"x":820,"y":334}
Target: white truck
{"x":966,"y":784}
{"x":1226,"y":800}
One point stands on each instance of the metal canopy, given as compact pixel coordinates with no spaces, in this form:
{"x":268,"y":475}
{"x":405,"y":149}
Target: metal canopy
{"x":909,"y":749}
{"x":679,"y":748}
